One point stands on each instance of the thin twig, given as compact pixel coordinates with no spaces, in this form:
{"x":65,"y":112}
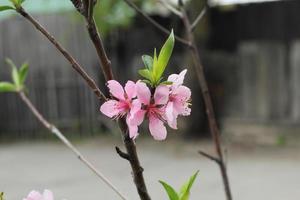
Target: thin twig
{"x":122,"y":154}
{"x":153,"y":22}
{"x":171,"y":8}
{"x":198,"y":19}
{"x":91,"y":83}
{"x":214,"y":129}
{"x":209,"y":157}
{"x":68,"y":144}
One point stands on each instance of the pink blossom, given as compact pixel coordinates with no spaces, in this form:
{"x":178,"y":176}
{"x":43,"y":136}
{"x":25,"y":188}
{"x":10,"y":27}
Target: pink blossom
{"x":121,"y":104}
{"x":153,"y":108}
{"x":34,"y":195}
{"x":179,"y":99}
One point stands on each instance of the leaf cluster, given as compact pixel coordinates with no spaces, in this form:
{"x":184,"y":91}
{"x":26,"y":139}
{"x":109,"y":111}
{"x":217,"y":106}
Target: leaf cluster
{"x":156,"y":65}
{"x":184,"y":193}
{"x":18,"y":78}
{"x":16,"y":5}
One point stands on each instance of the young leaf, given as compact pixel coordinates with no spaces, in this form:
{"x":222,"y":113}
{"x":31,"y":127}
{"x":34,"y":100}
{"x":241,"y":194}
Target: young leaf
{"x":146,"y":74}
{"x":14,"y":73}
{"x":7,"y":87}
{"x":166,"y":83}
{"x":3,"y":8}
{"x":170,"y":191}
{"x":1,"y":196}
{"x":148,"y":61}
{"x":185,"y":189}
{"x":164,"y":56}
{"x":23,"y":73}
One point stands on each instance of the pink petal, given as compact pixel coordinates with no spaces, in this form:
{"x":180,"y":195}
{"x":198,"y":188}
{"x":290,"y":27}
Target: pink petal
{"x":161,"y":95}
{"x":183,"y":92}
{"x":34,"y":195}
{"x":169,"y":111}
{"x":133,"y":129}
{"x":130,"y":89}
{"x":116,"y":89}
{"x":47,"y":195}
{"x":157,"y":128}
{"x":171,"y":115}
{"x":143,"y":93}
{"x":136,"y":113}
{"x":110,"y":108}
{"x":177,"y":79}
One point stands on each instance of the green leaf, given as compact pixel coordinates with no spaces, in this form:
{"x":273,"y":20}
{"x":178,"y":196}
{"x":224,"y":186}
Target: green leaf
{"x":164,"y":56}
{"x":146,"y":74}
{"x":15,"y":73}
{"x":23,"y":73}
{"x":170,"y":191}
{"x":1,"y":196}
{"x":7,"y":87}
{"x":3,"y":8}
{"x":185,"y":189}
{"x":166,"y":83}
{"x":147,"y":82}
{"x":148,"y":61}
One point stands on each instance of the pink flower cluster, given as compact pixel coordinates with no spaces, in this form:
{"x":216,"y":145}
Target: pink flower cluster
{"x":34,"y":195}
{"x":136,"y":102}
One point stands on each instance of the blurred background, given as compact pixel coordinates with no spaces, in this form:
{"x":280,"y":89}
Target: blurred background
{"x":251,"y":53}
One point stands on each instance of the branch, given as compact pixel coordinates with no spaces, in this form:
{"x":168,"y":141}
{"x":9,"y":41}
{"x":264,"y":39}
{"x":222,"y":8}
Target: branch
{"x":68,"y":144}
{"x":154,"y":23}
{"x":122,"y":154}
{"x":210,"y":157}
{"x":198,"y":19}
{"x":91,"y":83}
{"x":213,"y":126}
{"x":130,"y":146}
{"x":171,"y":8}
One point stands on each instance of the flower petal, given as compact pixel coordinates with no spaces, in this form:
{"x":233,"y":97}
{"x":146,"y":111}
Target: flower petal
{"x":136,"y":113}
{"x":110,"y":108}
{"x":47,"y":195}
{"x":157,"y":128}
{"x":133,"y":129}
{"x":34,"y":195}
{"x":130,"y":89}
{"x":183,"y":92}
{"x":171,"y":115}
{"x":143,"y":93}
{"x":177,"y":79}
{"x":161,"y":95}
{"x":116,"y":89}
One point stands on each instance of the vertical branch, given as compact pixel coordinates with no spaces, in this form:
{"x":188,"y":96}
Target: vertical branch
{"x":198,"y":67}
{"x":130,"y":146}
{"x":67,"y":143}
{"x":214,"y":129}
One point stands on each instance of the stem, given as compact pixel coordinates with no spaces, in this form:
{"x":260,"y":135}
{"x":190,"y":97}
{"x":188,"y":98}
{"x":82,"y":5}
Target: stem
{"x":214,"y":129}
{"x":154,"y":23}
{"x":91,"y":83}
{"x":128,"y":142}
{"x":68,"y":144}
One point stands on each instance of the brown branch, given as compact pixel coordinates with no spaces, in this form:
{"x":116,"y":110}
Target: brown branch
{"x":170,"y":8}
{"x":209,"y":157}
{"x":91,"y":83}
{"x":122,"y":154}
{"x":154,"y":23}
{"x":68,"y":144}
{"x":214,"y":129}
{"x":130,"y":146}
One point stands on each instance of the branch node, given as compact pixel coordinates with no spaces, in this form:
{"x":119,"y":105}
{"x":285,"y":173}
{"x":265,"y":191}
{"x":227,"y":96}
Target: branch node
{"x":122,"y":154}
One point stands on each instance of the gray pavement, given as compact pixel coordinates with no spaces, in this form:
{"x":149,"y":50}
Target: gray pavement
{"x":256,"y":173}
